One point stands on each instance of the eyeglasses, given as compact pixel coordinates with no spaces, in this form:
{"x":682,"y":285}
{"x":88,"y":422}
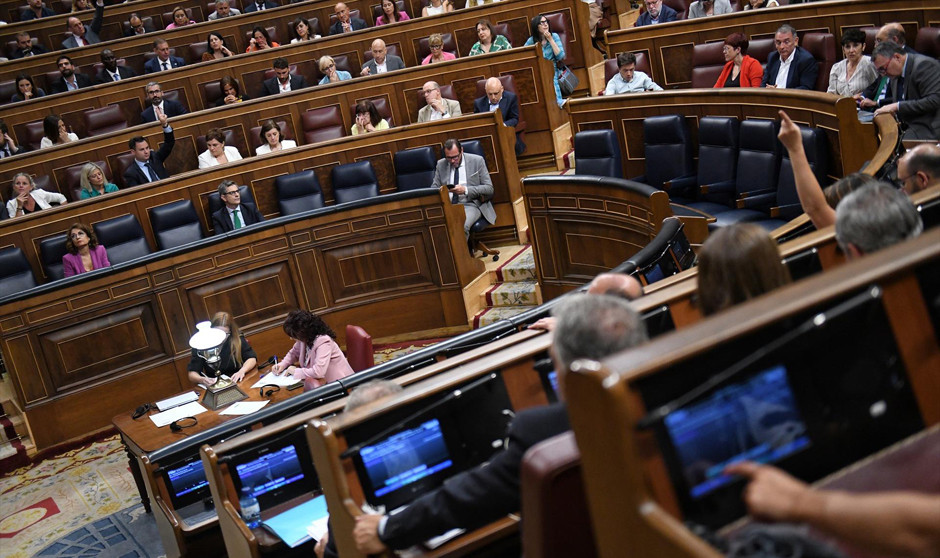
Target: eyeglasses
{"x":328,"y":66}
{"x":429,"y":91}
{"x":883,"y":69}
{"x":77,"y":234}
{"x":436,"y":47}
{"x":452,"y":157}
{"x":233,"y":193}
{"x":543,"y":22}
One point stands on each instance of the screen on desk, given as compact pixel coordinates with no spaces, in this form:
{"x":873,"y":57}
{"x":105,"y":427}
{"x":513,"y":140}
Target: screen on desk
{"x":276,"y":470}
{"x":187,"y":483}
{"x":756,"y":419}
{"x":406,"y":457}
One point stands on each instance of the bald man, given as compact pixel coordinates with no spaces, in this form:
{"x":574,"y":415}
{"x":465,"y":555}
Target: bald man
{"x":381,"y":61}
{"x":919,"y":168}
{"x":506,"y":102}
{"x":345,"y":23}
{"x":613,"y":284}
{"x":81,"y":35}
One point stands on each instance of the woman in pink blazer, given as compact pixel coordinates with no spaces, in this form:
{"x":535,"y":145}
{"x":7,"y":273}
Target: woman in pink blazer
{"x":315,"y":357}
{"x":84,"y":252}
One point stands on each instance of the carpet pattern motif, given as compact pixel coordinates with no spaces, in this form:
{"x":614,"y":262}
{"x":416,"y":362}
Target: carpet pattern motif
{"x":515,"y":292}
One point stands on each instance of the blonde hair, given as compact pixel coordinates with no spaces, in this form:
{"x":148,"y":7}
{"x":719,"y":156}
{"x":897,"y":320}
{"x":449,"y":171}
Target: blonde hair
{"x":224,"y":319}
{"x":86,"y":171}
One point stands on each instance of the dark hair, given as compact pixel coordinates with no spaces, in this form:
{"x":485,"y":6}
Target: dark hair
{"x":368,"y":107}
{"x":61,"y":58}
{"x":50,"y":127}
{"x":4,"y":129}
{"x":293,"y":28}
{"x":21,"y":77}
{"x":625,"y":58}
{"x":215,"y":134}
{"x":268,"y":126}
{"x":392,"y":18}
{"x":92,"y":239}
{"x":845,"y":186}
{"x":159,"y":41}
{"x":737,"y":40}
{"x":736,"y":263}
{"x":264,"y":32}
{"x":452,"y":143}
{"x":534,"y":28}
{"x":132,"y":143}
{"x":855,"y":36}
{"x":209,"y":38}
{"x":488,"y":25}
{"x":229,"y":80}
{"x":280,"y":63}
{"x":305,"y":326}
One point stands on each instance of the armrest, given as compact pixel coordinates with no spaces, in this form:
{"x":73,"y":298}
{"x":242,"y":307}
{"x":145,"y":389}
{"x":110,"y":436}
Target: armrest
{"x":722,"y":187}
{"x":641,"y":179}
{"x":757,"y":193}
{"x":788,"y":211}
{"x":759,"y":201}
{"x":680,"y":183}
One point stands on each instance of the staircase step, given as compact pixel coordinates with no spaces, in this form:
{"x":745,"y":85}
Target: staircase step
{"x":493,"y":315}
{"x":520,"y":267}
{"x":516,"y":293}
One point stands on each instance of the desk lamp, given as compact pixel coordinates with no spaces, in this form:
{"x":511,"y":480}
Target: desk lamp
{"x":208,"y":343}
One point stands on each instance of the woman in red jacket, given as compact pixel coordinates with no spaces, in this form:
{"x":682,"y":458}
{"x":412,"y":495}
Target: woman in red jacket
{"x":740,"y":70}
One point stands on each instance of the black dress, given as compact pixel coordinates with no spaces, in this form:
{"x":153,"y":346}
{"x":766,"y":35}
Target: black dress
{"x":736,"y":82}
{"x":228,"y":365}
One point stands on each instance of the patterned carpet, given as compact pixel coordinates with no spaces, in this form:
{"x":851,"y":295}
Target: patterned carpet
{"x":515,"y":292}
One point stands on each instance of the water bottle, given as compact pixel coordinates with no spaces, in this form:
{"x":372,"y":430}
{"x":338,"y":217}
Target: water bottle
{"x":251,"y":509}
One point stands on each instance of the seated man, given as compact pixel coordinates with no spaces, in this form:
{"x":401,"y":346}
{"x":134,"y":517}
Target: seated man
{"x":158,"y":105}
{"x":111,"y":71}
{"x":234,"y":214}
{"x":162,"y":61}
{"x":381,"y":61}
{"x":591,"y":327}
{"x":656,"y":12}
{"x":873,"y":217}
{"x":25,"y":46}
{"x":136,"y":26}
{"x":621,"y":285}
{"x":790,"y":67}
{"x":915,"y":86}
{"x":223,"y":8}
{"x":259,"y":5}
{"x":437,"y":107}
{"x":82,"y":36}
{"x":8,"y":147}
{"x":878,"y":94}
{"x":472,"y":187}
{"x":35,"y":10}
{"x":919,"y":168}
{"x":345,"y":23}
{"x":147,"y":165}
{"x":70,"y":80}
{"x":628,"y":78}
{"x":283,"y":81}
{"x":506,"y":102}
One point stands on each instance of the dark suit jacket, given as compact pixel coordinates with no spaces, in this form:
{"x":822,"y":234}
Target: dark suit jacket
{"x":223,"y":224}
{"x":666,"y":14}
{"x":171,"y":108}
{"x":481,"y":495}
{"x":803,"y":70}
{"x":91,"y":31}
{"x":37,"y":49}
{"x":58,"y":86}
{"x":355,"y":22}
{"x":252,"y":6}
{"x":919,"y":104}
{"x":270,"y":86}
{"x":133,"y":176}
{"x":105,"y":77}
{"x":508,"y":106}
{"x":153,"y":65}
{"x":391,"y":61}
{"x":872,"y":91}
{"x":28,"y":15}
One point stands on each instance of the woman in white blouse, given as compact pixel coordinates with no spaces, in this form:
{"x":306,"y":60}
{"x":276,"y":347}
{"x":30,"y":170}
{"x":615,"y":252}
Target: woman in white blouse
{"x":273,"y":140}
{"x":435,"y":7}
{"x":856,"y":72}
{"x":55,"y":132}
{"x":217,"y":153}
{"x":28,"y":199}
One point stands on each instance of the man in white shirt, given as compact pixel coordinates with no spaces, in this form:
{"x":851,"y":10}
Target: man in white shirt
{"x":223,"y":9}
{"x":111,"y":71}
{"x":790,"y":66}
{"x":157,"y":105}
{"x":628,"y":78}
{"x":437,"y":107}
{"x":381,"y":61}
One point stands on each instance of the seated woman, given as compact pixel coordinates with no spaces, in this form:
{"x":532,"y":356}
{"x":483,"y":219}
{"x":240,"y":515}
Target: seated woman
{"x":489,"y":40}
{"x":231,"y":91}
{"x":705,"y":8}
{"x":301,"y":31}
{"x":367,"y":119}
{"x":238,"y":358}
{"x":329,"y":71}
{"x":435,"y":7}
{"x":552,"y":49}
{"x":84,"y":252}
{"x":758,"y":4}
{"x":217,"y":153}
{"x":81,"y":5}
{"x":26,"y":89}
{"x":28,"y":199}
{"x":737,"y":263}
{"x":180,"y":19}
{"x":93,"y":182}
{"x":436,"y":44}
{"x":854,"y":73}
{"x":390,"y":14}
{"x":740,"y":69}
{"x":260,"y":40}
{"x":274,"y":141}
{"x":215,"y":47}
{"x":55,"y":132}
{"x":315,"y":357}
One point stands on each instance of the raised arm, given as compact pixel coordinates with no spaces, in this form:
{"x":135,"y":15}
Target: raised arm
{"x":807,"y":187}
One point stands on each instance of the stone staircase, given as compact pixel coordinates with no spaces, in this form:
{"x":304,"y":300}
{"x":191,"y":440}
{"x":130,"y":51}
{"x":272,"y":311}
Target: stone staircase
{"x":514,"y":290}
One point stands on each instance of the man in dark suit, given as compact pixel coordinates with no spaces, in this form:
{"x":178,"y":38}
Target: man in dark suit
{"x":656,"y":12}
{"x":234,"y":214}
{"x":137,"y":26}
{"x":588,"y":326}
{"x":345,"y":23}
{"x":111,"y":71}
{"x":157,"y":104}
{"x":878,"y":93}
{"x":35,"y":10}
{"x":283,"y":81}
{"x":381,"y":61}
{"x":25,"y":47}
{"x":790,"y":67}
{"x":147,"y":165}
{"x":69,"y":80}
{"x":915,"y":86}
{"x":162,"y":61}
{"x":81,"y":35}
{"x":506,"y":102}
{"x":253,"y":6}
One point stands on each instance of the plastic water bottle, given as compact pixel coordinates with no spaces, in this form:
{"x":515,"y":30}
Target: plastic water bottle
{"x":251,"y":509}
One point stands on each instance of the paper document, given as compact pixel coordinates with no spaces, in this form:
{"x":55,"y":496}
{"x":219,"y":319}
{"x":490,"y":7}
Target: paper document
{"x":272,"y":379}
{"x":188,"y":410}
{"x":177,"y":400}
{"x":244,"y":407}
{"x":293,"y":526}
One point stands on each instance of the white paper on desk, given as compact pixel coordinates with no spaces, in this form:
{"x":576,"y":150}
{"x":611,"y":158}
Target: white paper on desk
{"x":272,"y":379}
{"x":188,"y":410}
{"x":244,"y":407}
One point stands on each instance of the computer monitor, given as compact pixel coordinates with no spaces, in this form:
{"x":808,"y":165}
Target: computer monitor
{"x":187,"y":482}
{"x":276,"y":470}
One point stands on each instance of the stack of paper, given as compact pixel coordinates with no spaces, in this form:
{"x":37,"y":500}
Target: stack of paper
{"x":294,"y":526}
{"x":272,"y":379}
{"x":188,"y":410}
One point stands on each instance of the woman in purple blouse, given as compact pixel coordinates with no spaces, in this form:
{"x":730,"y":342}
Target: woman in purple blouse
{"x":84,"y":252}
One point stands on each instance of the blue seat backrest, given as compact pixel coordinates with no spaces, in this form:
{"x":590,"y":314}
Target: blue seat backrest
{"x":123,"y":238}
{"x":597,"y":153}
{"x":816,"y":147}
{"x":298,"y":192}
{"x":51,"y":251}
{"x":717,"y":149}
{"x":175,"y":224}
{"x":472,"y":146}
{"x":668,"y":149}
{"x":758,"y":156}
{"x":354,"y":181}
{"x":15,"y":273}
{"x":414,"y":168}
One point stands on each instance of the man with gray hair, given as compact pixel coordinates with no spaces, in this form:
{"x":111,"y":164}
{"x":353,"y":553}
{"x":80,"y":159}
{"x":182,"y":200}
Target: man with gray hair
{"x":874,"y":217}
{"x":223,"y":8}
{"x":915,"y":88}
{"x":790,"y":66}
{"x":588,"y":327}
{"x":235,"y":213}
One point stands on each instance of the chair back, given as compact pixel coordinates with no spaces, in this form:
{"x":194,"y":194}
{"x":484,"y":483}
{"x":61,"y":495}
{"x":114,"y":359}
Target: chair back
{"x":298,"y":192}
{"x":175,"y":224}
{"x":597,"y":153}
{"x":680,"y":6}
{"x":322,"y":124}
{"x":758,"y":156}
{"x":359,"y":348}
{"x":707,"y":62}
{"x":823,"y":48}
{"x":211,"y":93}
{"x":927,"y":41}
{"x":51,"y":251}
{"x":73,"y":178}
{"x":381,"y":105}
{"x":414,"y":168}
{"x":472,"y":146}
{"x":15,"y":274}
{"x":450,"y":45}
{"x":123,"y":238}
{"x":104,"y":120}
{"x":760,"y":49}
{"x":816,"y":147}
{"x":354,"y":181}
{"x":668,"y":149}
{"x":717,"y":149}
{"x":504,"y":30}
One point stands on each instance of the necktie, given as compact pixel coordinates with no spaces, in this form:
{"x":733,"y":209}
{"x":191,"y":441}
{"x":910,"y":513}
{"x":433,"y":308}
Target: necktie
{"x":260,"y":6}
{"x":152,"y":172}
{"x":116,"y":76}
{"x":166,"y":66}
{"x":5,"y":152}
{"x":882,"y":88}
{"x":453,"y":197}
{"x":238,"y":222}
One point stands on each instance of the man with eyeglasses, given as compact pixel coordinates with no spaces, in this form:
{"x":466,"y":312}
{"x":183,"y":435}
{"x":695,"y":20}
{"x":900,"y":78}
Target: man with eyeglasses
{"x":789,"y":67}
{"x":915,"y":88}
{"x":468,"y":182}
{"x":656,"y":12}
{"x":438,"y":107}
{"x":919,"y":168}
{"x":344,"y":22}
{"x":235,"y":214}
{"x":135,"y":26}
{"x":878,"y":93}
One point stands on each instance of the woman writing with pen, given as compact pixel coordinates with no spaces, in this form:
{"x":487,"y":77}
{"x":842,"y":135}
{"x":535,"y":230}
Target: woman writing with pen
{"x":238,"y":358}
{"x":315,"y":357}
